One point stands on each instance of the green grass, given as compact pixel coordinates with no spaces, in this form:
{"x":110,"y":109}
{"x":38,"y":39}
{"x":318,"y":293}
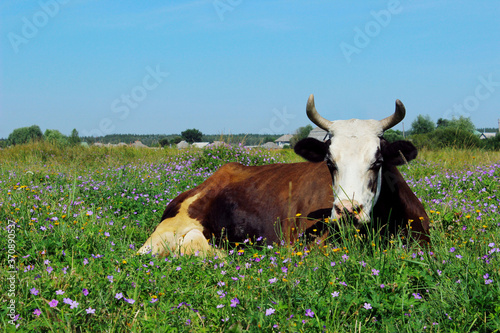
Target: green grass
{"x":81,"y":214}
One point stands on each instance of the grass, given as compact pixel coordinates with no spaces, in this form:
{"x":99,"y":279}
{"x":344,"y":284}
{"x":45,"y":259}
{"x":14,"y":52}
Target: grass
{"x":79,"y":216}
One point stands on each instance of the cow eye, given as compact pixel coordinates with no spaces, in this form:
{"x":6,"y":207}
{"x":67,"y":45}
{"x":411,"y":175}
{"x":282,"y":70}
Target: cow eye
{"x":376,"y":165}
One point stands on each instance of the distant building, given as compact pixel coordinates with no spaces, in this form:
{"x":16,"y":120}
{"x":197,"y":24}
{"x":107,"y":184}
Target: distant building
{"x":182,"y":145}
{"x":283,"y":140}
{"x":318,"y":134}
{"x":200,"y":144}
{"x":271,"y":145}
{"x":138,"y":144}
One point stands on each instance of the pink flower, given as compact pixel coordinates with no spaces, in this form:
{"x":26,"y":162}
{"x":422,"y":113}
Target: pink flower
{"x":270,"y":311}
{"x":37,"y":312}
{"x":53,"y":303}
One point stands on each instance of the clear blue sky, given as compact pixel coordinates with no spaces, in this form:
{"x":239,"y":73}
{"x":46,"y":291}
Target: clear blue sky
{"x":241,"y":66}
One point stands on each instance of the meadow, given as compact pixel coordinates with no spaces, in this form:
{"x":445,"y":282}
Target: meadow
{"x":72,"y":219}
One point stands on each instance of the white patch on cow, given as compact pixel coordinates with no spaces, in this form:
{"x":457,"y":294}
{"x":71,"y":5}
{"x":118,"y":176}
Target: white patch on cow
{"x":179,"y":233}
{"x":353,"y":149}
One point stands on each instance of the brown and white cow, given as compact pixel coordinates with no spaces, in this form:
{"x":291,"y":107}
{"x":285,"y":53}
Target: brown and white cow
{"x":351,"y":178}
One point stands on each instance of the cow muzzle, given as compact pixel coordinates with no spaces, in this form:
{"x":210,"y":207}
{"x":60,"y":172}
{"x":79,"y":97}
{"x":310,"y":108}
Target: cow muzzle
{"x":349,"y":212}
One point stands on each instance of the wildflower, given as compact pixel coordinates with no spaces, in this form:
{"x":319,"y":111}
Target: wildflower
{"x":382,"y":286}
{"x":53,"y":303}
{"x":452,"y":249}
{"x":49,"y":269}
{"x":220,"y":306}
{"x":85,"y":292}
{"x":67,"y":301}
{"x":367,"y":306}
{"x":273,"y":280}
{"x":234,"y":302}
{"x":153,"y":300}
{"x":309,"y":313}
{"x":221,"y":284}
{"x":118,"y":295}
{"x":65,"y":269}
{"x":488,"y":281}
{"x":59,"y":292}
{"x":37,"y":312}
{"x":90,"y":310}
{"x":178,"y":268}
{"x":110,"y":278}
{"x":85,"y":261}
{"x":375,"y":272}
{"x":458,"y":256}
{"x":417,"y":296}
{"x":74,"y":304}
{"x":129,"y":300}
{"x":34,"y":291}
{"x":362,"y":263}
{"x":270,"y":311}
{"x":335,"y":294}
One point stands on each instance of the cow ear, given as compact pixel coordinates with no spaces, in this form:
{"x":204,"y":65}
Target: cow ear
{"x":393,"y":153}
{"x":312,"y":150}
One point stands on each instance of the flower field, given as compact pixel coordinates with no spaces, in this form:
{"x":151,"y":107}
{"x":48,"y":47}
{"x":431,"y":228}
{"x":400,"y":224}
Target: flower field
{"x":72,"y":219}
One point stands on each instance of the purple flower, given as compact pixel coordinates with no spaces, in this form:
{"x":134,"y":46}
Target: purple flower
{"x":74,"y":304}
{"x":452,"y":249}
{"x":488,"y":281}
{"x":53,"y":303}
{"x":85,"y":292}
{"x":118,"y":295}
{"x":37,"y":312}
{"x":335,"y":294}
{"x":153,"y":300}
{"x":129,"y":300}
{"x":110,"y":278}
{"x":417,"y":296}
{"x":49,"y":269}
{"x":270,"y":311}
{"x":178,"y":268}
{"x":90,"y":310}
{"x":273,"y":280}
{"x":67,"y":301}
{"x":367,"y":306}
{"x":459,"y":256}
{"x":59,"y":292}
{"x":106,"y":234}
{"x":309,"y":313}
{"x":375,"y":271}
{"x":85,"y":261}
{"x":234,"y":302}
{"x":220,"y":306}
{"x":382,"y":286}
{"x":34,"y":291}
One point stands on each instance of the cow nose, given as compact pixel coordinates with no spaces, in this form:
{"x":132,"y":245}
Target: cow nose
{"x":348,"y":209}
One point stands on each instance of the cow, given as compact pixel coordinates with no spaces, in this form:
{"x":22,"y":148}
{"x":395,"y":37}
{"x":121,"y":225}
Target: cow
{"x":351,"y":178}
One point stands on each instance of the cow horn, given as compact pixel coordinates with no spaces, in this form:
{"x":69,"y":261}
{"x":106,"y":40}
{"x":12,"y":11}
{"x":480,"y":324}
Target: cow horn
{"x":314,"y":116}
{"x":395,"y":118}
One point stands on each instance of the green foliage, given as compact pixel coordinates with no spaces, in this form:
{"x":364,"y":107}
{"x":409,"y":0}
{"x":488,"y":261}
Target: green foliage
{"x":422,"y":124}
{"x":164,"y":142}
{"x":192,"y":135}
{"x":74,"y":139}
{"x":300,"y":133}
{"x":492,"y":143}
{"x":447,"y":137}
{"x":462,"y":123}
{"x":56,"y":137}
{"x":25,"y":135}
{"x":393,"y":135}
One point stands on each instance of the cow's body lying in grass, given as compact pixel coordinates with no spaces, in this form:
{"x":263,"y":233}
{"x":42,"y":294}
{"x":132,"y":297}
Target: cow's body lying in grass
{"x":352,"y":178}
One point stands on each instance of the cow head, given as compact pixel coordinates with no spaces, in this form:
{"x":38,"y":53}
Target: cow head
{"x":355,"y":155}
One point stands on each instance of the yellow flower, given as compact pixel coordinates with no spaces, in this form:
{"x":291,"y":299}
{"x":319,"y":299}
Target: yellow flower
{"x":298,"y":253}
{"x":124,"y":261}
{"x":298,"y":214}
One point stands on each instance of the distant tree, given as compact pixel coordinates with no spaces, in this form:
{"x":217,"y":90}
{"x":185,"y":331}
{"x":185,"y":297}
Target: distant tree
{"x":176,"y":140}
{"x":25,"y":135}
{"x":442,"y":122}
{"x":74,"y":139}
{"x":164,"y":142}
{"x":422,"y":125}
{"x":300,"y":133}
{"x":269,"y":139}
{"x":462,"y":123}
{"x":192,"y":135}
{"x":56,"y":137}
{"x":393,"y":135}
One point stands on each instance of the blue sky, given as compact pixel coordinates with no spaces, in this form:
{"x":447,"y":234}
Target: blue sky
{"x":240,"y":66}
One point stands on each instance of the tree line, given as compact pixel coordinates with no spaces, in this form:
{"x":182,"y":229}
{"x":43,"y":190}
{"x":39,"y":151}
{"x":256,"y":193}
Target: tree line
{"x":34,"y":133}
